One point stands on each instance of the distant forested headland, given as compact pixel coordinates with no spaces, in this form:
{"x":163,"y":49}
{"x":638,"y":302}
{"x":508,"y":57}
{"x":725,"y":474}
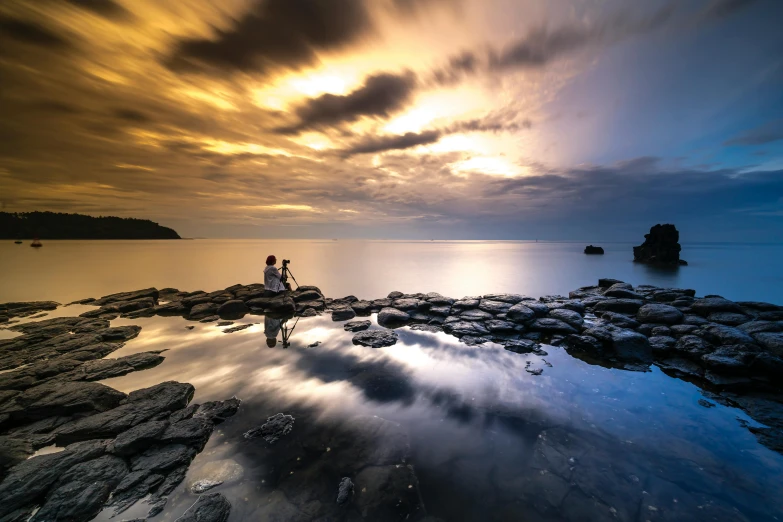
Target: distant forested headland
{"x":54,"y":225}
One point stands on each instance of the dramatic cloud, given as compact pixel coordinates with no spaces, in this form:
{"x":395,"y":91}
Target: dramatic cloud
{"x":330,"y":118}
{"x":31,"y":33}
{"x":767,"y":133}
{"x":386,"y":143}
{"x":277,"y":33}
{"x":106,"y":8}
{"x":380,"y":95}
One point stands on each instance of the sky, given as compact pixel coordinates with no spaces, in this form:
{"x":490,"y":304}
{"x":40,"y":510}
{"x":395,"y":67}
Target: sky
{"x":398,"y":119}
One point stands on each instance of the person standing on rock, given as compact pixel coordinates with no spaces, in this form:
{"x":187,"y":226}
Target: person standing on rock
{"x":273,"y":280}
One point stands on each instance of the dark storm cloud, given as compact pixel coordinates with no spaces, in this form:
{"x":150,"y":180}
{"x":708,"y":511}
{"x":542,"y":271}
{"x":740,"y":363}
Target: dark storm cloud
{"x":542,"y":45}
{"x":725,"y":8}
{"x":31,"y":33}
{"x":380,"y":95}
{"x":105,"y":8}
{"x":488,"y":125}
{"x":131,"y":115}
{"x":277,"y":33}
{"x":375,"y":144}
{"x":408,"y":140}
{"x":767,"y":133}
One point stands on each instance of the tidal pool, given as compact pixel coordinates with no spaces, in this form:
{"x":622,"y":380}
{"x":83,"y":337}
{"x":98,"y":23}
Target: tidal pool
{"x":431,"y":428}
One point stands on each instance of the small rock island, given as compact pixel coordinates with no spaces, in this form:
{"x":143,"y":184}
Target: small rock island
{"x":661,"y":247}
{"x":594,"y":250}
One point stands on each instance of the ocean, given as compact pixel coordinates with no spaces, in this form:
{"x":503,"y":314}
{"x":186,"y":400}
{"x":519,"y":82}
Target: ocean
{"x":69,"y":270}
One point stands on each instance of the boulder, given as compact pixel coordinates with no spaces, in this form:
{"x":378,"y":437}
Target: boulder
{"x":772,"y":341}
{"x":139,"y":406}
{"x":127,"y":296}
{"x":552,"y":325}
{"x":659,"y":313}
{"x":475,"y":315}
{"x":362,"y":307}
{"x":626,"y":345}
{"x":494,"y":307}
{"x":356,"y":326}
{"x":622,"y":306}
{"x":213,"y":507}
{"x":391,"y":317}
{"x":721,"y":334}
{"x":594,"y":250}
{"x":692,"y":346}
{"x":217,"y":411}
{"x":193,"y":432}
{"x":709,"y":305}
{"x":406,"y":305}
{"x":606,"y":282}
{"x":584,"y":343}
{"x":343,"y":314}
{"x":275,"y":427}
{"x":202,"y":310}
{"x":232,"y":309}
{"x":160,"y":459}
{"x":375,"y":338}
{"x":466,"y":303}
{"x":344,"y":490}
{"x":661,"y":247}
{"x":462,"y":328}
{"x":497,"y":325}
{"x":570,"y":317}
{"x":282,"y":304}
{"x":661,"y":344}
{"x":138,"y":438}
{"x":621,"y":320}
{"x":728,"y":318}
{"x":28,"y":482}
{"x":61,"y":399}
{"x":622,"y":293}
{"x":753,"y":327}
{"x":521,"y":313}
{"x":306,"y":295}
{"x":79,"y":494}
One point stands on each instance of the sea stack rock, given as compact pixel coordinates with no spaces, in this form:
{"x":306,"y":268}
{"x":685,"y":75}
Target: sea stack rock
{"x":590,"y":249}
{"x":661,"y":247}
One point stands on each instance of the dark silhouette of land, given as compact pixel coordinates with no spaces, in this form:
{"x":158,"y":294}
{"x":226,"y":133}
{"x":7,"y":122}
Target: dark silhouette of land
{"x":55,"y":225}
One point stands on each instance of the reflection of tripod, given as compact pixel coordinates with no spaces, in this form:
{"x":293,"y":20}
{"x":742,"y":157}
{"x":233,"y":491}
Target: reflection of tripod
{"x":285,"y":273}
{"x":286,"y":332}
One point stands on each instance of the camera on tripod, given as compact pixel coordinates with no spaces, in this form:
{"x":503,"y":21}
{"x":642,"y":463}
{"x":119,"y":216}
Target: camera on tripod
{"x":285,"y":273}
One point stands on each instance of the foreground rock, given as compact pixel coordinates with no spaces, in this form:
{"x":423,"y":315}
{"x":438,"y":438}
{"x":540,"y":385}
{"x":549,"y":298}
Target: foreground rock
{"x":661,"y":247}
{"x":208,"y":508}
{"x":375,"y":338}
{"x":275,"y":427}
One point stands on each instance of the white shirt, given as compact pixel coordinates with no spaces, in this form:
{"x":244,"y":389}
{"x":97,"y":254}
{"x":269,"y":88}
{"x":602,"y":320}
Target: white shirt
{"x":272,"y":279}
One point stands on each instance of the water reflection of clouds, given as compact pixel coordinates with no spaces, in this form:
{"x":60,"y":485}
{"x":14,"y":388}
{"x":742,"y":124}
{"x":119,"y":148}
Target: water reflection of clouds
{"x":467,"y":408}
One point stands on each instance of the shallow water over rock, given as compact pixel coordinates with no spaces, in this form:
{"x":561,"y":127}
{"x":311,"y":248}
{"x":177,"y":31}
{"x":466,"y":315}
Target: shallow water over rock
{"x":432,"y":427}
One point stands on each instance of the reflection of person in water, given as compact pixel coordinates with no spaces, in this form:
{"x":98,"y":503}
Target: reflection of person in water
{"x":271,"y":329}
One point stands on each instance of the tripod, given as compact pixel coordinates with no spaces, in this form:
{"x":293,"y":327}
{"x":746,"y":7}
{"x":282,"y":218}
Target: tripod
{"x":287,"y":333}
{"x":285,"y":273}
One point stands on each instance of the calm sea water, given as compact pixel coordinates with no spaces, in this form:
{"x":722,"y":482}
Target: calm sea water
{"x":69,"y":270}
{"x":489,"y":441}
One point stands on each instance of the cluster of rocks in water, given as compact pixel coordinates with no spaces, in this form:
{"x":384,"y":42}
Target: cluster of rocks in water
{"x":117,"y":448}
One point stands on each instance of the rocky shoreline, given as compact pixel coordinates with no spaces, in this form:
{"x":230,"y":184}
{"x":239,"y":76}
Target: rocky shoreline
{"x":121,"y":448}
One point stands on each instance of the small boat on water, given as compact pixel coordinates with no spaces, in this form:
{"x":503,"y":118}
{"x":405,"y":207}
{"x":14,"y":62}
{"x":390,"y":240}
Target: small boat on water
{"x":36,"y":243}
{"x":18,"y":241}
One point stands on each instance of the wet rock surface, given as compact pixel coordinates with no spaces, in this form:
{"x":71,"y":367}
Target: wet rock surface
{"x":275,"y":427}
{"x":375,"y":338}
